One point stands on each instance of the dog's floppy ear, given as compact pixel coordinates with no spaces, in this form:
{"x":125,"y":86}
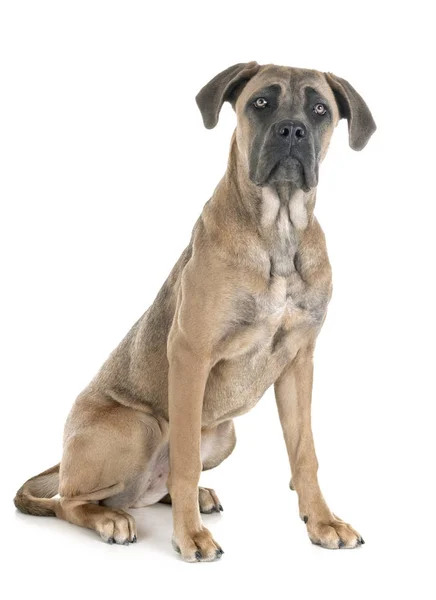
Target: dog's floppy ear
{"x":352,"y":107}
{"x":226,"y":86}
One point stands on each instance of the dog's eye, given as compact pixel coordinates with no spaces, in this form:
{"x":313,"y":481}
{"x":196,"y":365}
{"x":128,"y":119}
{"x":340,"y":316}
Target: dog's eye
{"x":320,"y":109}
{"x":260,"y":103}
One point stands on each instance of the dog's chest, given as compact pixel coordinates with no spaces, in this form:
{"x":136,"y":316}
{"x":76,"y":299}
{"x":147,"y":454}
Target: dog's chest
{"x":261,"y":320}
{"x":269,"y":322}
{"x":274,"y":325}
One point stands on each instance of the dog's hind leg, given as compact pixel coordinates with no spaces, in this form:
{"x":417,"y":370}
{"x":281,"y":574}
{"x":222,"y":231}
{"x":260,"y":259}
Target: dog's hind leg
{"x":107,"y":448}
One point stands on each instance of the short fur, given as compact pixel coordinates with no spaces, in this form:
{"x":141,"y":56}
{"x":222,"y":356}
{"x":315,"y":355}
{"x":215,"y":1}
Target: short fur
{"x":239,"y":312}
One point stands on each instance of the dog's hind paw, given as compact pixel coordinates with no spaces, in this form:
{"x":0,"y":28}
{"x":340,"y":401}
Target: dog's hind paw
{"x":117,"y":526}
{"x":208,"y":501}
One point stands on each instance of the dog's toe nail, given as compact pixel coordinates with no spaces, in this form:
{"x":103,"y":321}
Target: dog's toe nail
{"x":111,"y":540}
{"x":305,"y":518}
{"x":341,"y":544}
{"x":220,"y":506}
{"x":219,"y":553}
{"x":134,"y":539}
{"x":362,"y":541}
{"x":198,"y":555}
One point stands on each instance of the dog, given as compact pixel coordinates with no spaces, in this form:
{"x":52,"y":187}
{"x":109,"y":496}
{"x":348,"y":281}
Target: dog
{"x":240,"y":311}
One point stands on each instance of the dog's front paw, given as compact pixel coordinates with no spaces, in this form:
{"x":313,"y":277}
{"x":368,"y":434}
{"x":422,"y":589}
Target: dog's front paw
{"x":332,"y":533}
{"x":198,"y":546}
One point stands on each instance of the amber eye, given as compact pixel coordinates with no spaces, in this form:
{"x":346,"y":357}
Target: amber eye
{"x":260,"y":103}
{"x":320,"y":109}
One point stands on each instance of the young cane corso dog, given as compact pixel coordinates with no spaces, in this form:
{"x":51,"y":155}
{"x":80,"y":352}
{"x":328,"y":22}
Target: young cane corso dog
{"x":239,"y":312}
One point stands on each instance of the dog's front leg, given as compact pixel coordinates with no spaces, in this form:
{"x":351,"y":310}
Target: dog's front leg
{"x":293,"y":392}
{"x":188,"y":374}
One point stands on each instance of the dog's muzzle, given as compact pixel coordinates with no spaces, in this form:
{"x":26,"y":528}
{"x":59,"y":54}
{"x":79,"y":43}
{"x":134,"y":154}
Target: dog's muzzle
{"x":286,"y":153}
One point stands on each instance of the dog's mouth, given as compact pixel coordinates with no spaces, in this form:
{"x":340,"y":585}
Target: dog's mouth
{"x":289,"y":169}
{"x":296,"y":168}
{"x":295,"y":171}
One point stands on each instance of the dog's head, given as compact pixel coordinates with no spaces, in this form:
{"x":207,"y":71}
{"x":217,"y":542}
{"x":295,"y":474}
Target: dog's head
{"x":285,"y":118}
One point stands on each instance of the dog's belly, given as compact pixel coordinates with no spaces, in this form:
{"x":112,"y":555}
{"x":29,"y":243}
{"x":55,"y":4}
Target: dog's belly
{"x":150,"y":486}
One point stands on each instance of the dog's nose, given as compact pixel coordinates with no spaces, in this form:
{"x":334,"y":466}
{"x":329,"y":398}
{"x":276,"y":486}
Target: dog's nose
{"x":294,"y":130}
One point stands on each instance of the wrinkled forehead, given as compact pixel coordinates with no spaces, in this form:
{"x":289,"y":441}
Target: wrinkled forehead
{"x":293,"y":83}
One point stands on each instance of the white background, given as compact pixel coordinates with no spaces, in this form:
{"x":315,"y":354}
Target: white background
{"x":104,"y":168}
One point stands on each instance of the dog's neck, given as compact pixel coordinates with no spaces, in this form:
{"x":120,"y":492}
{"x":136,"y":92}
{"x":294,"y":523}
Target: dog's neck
{"x":264,"y":206}
{"x":261,"y":227}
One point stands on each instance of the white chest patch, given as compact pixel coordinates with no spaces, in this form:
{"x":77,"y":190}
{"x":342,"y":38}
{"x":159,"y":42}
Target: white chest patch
{"x":298,"y":210}
{"x":270,"y":206}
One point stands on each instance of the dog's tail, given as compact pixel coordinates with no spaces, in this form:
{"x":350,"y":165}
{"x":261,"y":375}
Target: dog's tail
{"x":35,"y":497}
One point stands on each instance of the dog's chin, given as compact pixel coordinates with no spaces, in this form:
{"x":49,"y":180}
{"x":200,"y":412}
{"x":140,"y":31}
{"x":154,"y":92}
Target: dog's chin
{"x":288,"y":170}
